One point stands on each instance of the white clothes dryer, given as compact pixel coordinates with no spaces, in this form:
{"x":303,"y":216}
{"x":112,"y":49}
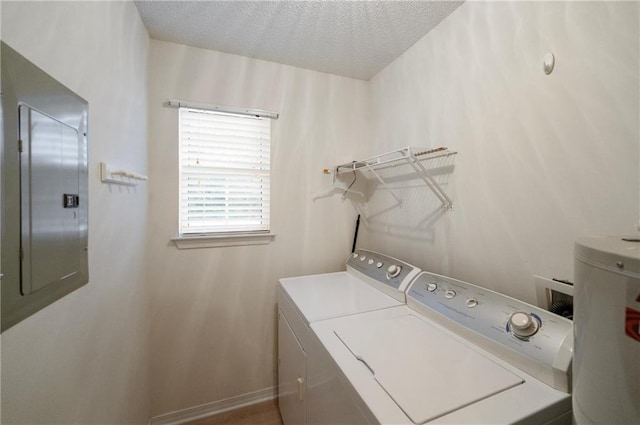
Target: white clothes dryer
{"x":372,"y":281}
{"x":455,"y":354}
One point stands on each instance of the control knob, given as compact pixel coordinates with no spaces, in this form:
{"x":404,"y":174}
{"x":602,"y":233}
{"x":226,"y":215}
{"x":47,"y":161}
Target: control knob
{"x":471,"y":302}
{"x":393,"y":271}
{"x":523,"y":325}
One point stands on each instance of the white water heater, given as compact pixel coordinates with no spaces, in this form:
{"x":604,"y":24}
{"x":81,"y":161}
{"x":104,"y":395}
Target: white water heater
{"x":606,"y":361}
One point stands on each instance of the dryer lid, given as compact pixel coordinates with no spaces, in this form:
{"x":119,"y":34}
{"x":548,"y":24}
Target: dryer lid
{"x":325,"y":296}
{"x":427,"y":372}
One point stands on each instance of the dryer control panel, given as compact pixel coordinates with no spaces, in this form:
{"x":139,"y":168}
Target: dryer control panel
{"x":389,"y":274}
{"x":536,"y":340}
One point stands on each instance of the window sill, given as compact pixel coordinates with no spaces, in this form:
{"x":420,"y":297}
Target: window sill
{"x":215,"y":241}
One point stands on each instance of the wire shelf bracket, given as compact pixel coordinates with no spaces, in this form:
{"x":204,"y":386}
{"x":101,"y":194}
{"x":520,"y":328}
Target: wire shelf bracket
{"x":407,"y":155}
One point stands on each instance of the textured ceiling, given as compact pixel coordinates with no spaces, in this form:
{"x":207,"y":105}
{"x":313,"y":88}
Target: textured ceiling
{"x":351,"y":38}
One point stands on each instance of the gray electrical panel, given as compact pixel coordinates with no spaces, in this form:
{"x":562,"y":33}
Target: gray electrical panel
{"x":44,"y":189}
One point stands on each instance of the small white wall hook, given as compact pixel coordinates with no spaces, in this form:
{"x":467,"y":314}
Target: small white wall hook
{"x":120,"y":177}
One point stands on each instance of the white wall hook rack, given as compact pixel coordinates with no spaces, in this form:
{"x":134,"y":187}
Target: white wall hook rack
{"x":121,"y":177}
{"x":409,"y":156}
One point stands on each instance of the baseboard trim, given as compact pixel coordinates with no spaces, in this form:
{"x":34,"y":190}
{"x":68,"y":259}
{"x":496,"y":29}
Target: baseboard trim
{"x":210,"y":409}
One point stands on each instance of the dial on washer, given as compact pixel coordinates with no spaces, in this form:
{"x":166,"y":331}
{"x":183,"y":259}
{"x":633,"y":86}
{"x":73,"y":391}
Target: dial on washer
{"x":393,"y":271}
{"x":523,"y":325}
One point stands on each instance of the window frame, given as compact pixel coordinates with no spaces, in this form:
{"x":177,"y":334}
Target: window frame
{"x":222,"y":237}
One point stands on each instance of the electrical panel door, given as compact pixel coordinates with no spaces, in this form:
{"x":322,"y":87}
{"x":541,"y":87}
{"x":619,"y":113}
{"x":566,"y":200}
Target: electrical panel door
{"x":52,"y":210}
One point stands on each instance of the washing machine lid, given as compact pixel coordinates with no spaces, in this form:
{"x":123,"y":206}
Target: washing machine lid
{"x":425,"y":371}
{"x":329,"y":295}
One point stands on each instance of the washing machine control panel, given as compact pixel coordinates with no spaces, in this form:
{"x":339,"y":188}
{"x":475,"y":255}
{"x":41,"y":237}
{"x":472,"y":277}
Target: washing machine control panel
{"x":533,"y":332}
{"x":382,"y":268}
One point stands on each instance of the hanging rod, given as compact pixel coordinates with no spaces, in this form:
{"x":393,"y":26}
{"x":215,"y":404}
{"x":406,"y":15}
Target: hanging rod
{"x":388,"y":158}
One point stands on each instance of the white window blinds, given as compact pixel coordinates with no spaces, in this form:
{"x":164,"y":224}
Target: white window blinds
{"x":224,"y":172}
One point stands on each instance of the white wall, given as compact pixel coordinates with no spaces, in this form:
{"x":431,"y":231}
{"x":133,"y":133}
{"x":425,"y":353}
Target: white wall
{"x":542,"y":159}
{"x":84,"y":358}
{"x":214,"y":309}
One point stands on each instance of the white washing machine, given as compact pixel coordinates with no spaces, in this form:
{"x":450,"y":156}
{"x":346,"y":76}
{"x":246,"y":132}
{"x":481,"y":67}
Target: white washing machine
{"x":455,"y":354}
{"x":606,"y":369}
{"x":372,"y":281}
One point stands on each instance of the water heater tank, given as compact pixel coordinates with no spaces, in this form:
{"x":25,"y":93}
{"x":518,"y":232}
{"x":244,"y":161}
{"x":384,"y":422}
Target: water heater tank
{"x":606,"y":361}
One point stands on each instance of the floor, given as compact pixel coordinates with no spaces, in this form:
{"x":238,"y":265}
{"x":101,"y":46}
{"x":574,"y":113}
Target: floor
{"x":265,"y":413}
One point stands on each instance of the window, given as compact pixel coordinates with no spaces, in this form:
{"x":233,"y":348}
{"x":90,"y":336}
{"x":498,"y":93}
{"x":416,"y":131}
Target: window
{"x":224,"y":173}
